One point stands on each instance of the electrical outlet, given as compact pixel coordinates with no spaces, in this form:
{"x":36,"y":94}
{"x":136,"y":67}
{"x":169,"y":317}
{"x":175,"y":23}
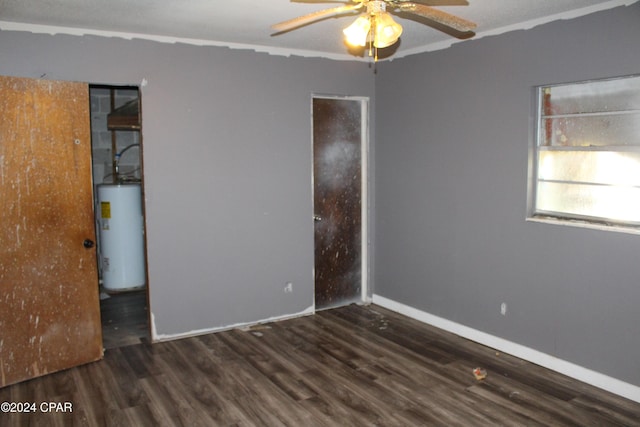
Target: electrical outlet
{"x":289,"y":287}
{"x":503,"y":308}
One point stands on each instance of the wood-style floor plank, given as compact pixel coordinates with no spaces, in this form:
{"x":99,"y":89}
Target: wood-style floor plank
{"x":349,"y":366}
{"x":124,"y":319}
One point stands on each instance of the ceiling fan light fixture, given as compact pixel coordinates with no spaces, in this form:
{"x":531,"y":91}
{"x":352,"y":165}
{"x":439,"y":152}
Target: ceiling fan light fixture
{"x":357,"y":33}
{"x":375,"y":28}
{"x":386,"y":31}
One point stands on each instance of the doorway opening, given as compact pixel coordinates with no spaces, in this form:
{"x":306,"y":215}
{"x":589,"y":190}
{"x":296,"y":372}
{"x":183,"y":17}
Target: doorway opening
{"x":116,"y":147}
{"x":340,"y":146}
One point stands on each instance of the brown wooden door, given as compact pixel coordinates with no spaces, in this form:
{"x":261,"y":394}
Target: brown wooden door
{"x":49,"y":307}
{"x":337,"y":171}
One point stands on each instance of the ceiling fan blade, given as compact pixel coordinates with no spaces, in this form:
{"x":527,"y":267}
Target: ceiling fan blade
{"x":314,"y":16}
{"x":425,"y":2}
{"x":436,"y":15}
{"x":436,"y":2}
{"x":320,"y":1}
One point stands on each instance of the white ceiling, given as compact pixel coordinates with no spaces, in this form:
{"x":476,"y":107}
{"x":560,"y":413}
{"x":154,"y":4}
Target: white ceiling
{"x":246,"y":23}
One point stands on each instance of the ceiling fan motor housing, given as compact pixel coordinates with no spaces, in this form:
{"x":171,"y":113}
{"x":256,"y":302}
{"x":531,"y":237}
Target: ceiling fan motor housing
{"x":375,"y":7}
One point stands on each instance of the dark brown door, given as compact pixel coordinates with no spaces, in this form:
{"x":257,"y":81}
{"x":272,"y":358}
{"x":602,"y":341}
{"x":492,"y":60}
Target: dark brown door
{"x":49,"y":307}
{"x":337,"y":171}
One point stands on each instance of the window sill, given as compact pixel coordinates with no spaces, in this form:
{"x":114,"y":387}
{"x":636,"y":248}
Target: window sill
{"x":583,"y":224}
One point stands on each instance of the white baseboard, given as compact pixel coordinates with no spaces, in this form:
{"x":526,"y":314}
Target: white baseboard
{"x":569,"y":369}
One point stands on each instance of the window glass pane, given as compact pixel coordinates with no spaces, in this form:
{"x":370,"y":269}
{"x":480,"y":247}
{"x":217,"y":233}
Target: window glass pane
{"x":614,"y":203}
{"x":590,"y":97}
{"x":585,"y":131}
{"x":588,"y":151}
{"x":597,"y":167}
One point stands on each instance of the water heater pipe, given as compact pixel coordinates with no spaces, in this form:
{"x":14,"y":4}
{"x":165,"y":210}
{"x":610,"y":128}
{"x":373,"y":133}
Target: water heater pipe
{"x":118,"y":155}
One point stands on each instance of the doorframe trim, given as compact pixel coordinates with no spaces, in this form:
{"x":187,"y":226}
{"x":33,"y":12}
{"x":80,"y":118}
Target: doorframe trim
{"x":366,"y":294}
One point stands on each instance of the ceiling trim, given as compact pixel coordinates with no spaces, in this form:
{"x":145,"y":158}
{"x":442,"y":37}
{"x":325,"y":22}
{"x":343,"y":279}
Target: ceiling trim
{"x":287,"y":52}
{"x":53,"y":30}
{"x":527,"y":25}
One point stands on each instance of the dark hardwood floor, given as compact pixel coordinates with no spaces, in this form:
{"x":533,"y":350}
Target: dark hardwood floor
{"x":125,"y":319}
{"x":350,"y":366}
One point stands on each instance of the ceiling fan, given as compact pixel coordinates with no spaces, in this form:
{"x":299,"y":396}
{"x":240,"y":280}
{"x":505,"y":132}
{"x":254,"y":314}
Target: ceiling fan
{"x":375,"y":26}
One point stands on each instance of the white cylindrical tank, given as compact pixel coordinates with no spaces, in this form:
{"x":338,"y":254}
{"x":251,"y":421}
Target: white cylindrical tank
{"x":121,"y":244}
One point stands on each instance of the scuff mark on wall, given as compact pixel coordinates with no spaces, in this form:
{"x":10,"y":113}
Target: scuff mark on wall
{"x":154,"y":333}
{"x":155,"y":337}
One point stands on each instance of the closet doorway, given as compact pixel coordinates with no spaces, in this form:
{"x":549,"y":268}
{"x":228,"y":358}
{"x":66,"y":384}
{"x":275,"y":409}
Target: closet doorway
{"x":340,"y":141}
{"x":116,"y":135}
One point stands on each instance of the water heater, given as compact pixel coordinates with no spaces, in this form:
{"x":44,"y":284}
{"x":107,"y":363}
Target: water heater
{"x":121,"y":233}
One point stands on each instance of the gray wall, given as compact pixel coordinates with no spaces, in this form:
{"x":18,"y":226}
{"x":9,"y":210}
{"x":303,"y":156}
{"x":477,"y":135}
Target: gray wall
{"x":453,"y":138}
{"x":227,"y":162}
{"x":227,"y":157}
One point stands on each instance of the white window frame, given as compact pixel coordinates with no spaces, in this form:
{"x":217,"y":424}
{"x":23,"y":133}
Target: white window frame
{"x":568,"y":218}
